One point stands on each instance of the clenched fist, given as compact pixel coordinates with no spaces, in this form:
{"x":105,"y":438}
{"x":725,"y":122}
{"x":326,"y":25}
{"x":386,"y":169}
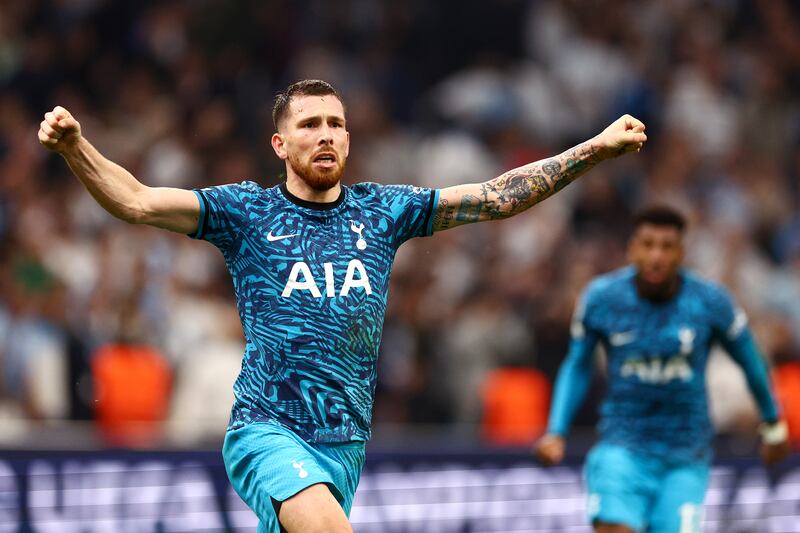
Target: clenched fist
{"x":624,"y":135}
{"x":59,"y":130}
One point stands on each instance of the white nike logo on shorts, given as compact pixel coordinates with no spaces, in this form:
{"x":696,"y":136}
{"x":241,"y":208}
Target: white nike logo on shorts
{"x":273,"y":238}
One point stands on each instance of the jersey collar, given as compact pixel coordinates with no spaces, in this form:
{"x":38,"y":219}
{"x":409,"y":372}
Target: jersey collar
{"x":318,"y":206}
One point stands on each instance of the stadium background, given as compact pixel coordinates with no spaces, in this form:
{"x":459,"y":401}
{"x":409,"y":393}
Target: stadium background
{"x":439,"y":93}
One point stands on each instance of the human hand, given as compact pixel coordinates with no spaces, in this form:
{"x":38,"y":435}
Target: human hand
{"x":624,"y":135}
{"x":59,"y":131}
{"x":773,"y":454}
{"x":549,"y":449}
{"x":774,"y":442}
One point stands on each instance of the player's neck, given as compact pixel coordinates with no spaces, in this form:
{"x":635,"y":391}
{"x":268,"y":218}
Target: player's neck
{"x":300,"y":189}
{"x":660,"y":293}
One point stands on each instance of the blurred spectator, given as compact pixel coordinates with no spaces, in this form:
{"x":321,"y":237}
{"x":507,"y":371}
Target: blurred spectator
{"x":132,"y":383}
{"x":207,"y":367}
{"x":179,"y":93}
{"x":516,"y":403}
{"x":33,"y":343}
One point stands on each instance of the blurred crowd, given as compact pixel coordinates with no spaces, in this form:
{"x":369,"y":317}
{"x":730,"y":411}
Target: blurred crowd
{"x":102,"y":321}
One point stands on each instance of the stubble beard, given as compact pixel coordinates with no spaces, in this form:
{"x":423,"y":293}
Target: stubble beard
{"x":319,"y":180}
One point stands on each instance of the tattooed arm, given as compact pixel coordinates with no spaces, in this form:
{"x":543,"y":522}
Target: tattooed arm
{"x":520,"y":188}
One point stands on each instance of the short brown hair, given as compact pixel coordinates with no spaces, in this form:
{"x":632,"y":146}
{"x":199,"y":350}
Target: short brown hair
{"x":300,"y":88}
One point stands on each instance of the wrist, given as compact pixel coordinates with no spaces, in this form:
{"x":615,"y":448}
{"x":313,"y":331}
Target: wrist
{"x":599,"y":150}
{"x":73,"y":147}
{"x":774,"y":433}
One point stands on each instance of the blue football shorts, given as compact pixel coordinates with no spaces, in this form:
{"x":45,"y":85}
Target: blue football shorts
{"x":267,"y":464}
{"x":647,"y":494}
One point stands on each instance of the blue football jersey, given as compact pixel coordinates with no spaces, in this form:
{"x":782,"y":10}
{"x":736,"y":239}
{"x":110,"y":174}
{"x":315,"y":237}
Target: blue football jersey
{"x":657,"y":353}
{"x":311,"y":282}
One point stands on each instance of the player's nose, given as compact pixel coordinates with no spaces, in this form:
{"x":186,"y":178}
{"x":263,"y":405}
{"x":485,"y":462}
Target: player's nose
{"x":325,"y":135}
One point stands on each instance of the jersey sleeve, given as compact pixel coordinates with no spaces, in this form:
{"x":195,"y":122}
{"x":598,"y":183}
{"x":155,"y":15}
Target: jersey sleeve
{"x":412,"y":210}
{"x":223,"y":210}
{"x":731,"y":329}
{"x":575,"y":374}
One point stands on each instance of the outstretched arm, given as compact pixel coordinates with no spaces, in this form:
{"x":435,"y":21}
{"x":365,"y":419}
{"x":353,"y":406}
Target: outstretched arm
{"x":114,"y":188}
{"x":520,"y":188}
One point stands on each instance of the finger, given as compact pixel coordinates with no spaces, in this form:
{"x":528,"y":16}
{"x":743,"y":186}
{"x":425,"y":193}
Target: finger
{"x":60,"y":112}
{"x":51,"y":119}
{"x":46,"y":140}
{"x":68,"y":124}
{"x":635,"y":138}
{"x":48,"y":130}
{"x":633,"y":122}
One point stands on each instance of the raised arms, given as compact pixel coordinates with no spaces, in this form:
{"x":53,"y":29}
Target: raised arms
{"x":114,"y":188}
{"x":520,"y":188}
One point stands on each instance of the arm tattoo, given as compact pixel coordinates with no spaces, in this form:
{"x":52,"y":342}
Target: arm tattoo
{"x":470,"y":209}
{"x":443,"y":217}
{"x":518,"y":189}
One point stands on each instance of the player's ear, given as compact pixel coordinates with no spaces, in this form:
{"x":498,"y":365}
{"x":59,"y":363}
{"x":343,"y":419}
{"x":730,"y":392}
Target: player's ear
{"x":279,"y":145}
{"x":347,"y":145}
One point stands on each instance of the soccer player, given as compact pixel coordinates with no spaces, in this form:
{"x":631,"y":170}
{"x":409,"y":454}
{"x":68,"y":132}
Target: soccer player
{"x":310,"y":261}
{"x":657,"y":323}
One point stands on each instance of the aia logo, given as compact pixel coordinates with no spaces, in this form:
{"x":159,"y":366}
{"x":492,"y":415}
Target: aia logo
{"x":302,"y":279}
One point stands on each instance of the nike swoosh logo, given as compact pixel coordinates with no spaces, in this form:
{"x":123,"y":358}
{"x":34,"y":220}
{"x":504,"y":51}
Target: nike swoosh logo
{"x":273,"y":238}
{"x":621,"y":339}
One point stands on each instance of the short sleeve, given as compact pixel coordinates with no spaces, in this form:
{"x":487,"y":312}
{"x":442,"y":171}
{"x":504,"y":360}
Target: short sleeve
{"x":223,"y":211}
{"x":412,"y":209}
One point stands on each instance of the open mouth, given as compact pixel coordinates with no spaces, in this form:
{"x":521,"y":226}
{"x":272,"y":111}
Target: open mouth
{"x":325,"y":159}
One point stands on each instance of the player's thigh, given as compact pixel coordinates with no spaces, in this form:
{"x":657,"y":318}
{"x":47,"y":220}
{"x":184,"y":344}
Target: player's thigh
{"x":267,"y":465}
{"x":619,"y":488}
{"x":679,"y":506}
{"x":313,"y":510}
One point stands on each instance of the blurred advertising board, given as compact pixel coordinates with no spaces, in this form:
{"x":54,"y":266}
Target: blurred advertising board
{"x":481,"y":491}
